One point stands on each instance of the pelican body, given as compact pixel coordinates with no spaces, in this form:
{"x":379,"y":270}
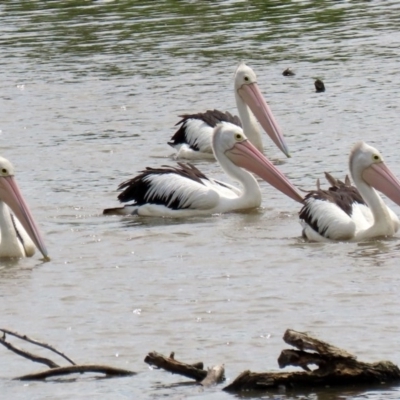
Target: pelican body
{"x":185,"y":191}
{"x":348,"y":213}
{"x":19,"y":234}
{"x":193,"y":139}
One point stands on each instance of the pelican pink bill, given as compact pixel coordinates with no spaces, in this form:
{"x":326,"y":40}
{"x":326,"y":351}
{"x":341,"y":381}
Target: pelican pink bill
{"x":380,"y":177}
{"x":253,"y":97}
{"x":247,"y":156}
{"x":193,"y":138}
{"x":14,"y":243}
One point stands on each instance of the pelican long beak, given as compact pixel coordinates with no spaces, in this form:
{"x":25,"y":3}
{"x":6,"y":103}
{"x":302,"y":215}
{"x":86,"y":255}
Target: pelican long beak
{"x":252,"y":96}
{"x":245,"y":155}
{"x":382,"y":178}
{"x":11,"y":195}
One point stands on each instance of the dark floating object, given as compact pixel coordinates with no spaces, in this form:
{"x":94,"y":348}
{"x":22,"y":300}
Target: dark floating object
{"x":194,"y":371}
{"x":335,"y":367}
{"x":288,"y":72}
{"x":319,"y":86}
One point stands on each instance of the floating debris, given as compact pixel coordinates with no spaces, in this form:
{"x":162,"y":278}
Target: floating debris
{"x":335,"y":367}
{"x":319,"y":86}
{"x":288,"y":72}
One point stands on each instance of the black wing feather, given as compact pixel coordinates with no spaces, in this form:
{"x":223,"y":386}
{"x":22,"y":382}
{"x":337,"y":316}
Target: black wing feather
{"x":210,"y":117}
{"x":343,"y":194}
{"x":137,"y":188}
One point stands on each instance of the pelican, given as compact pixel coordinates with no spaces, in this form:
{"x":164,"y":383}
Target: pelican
{"x":184,"y":191}
{"x":348,"y":213}
{"x":193,"y":138}
{"x":19,"y":233}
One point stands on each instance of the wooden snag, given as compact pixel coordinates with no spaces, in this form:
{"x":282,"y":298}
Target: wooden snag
{"x":194,"y":371}
{"x":335,"y":367}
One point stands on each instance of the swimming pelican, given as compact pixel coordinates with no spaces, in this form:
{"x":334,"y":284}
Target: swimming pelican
{"x":193,"y":138}
{"x":19,"y":233}
{"x":184,"y":191}
{"x":345,"y":212}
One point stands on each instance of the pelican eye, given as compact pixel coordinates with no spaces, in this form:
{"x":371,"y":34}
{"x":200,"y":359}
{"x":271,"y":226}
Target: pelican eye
{"x":246,"y":78}
{"x":376,"y":157}
{"x":238,"y":136}
{"x":4,"y":170}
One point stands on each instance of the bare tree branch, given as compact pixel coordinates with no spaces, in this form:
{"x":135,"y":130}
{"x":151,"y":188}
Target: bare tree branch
{"x":176,"y":367}
{"x":28,"y":355}
{"x":37,"y":342}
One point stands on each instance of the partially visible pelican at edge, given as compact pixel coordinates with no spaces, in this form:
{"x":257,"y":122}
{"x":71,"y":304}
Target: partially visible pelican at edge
{"x":193,"y":138}
{"x":348,"y":213}
{"x":19,"y":233}
{"x":184,"y":191}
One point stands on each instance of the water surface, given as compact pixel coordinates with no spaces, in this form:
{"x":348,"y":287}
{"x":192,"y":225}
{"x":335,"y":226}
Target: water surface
{"x":89,"y":95}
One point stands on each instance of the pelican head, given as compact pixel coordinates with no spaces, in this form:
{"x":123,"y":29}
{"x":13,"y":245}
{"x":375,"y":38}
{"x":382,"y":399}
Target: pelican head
{"x":11,"y":195}
{"x":366,"y":164}
{"x":244,"y":75}
{"x":247,"y":88}
{"x":229,"y":139}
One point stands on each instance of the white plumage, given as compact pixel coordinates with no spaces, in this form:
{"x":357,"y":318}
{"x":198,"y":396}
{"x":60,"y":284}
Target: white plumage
{"x":184,"y":191}
{"x":188,"y":193}
{"x":197,"y":136}
{"x":345,"y":212}
{"x":193,"y":138}
{"x":19,"y":233}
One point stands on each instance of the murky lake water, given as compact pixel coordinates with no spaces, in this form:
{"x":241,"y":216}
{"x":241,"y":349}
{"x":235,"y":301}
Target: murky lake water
{"x":89,"y":95}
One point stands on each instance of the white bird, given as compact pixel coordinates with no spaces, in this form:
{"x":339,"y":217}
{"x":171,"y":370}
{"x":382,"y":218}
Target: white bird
{"x":184,"y":191}
{"x":19,"y":233}
{"x":348,"y":213}
{"x":193,"y":138}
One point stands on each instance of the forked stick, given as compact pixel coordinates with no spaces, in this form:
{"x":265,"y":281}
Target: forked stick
{"x":37,"y":342}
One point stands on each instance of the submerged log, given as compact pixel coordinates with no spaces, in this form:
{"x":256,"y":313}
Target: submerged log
{"x":371,"y":375}
{"x":76,"y":369}
{"x":335,"y":367}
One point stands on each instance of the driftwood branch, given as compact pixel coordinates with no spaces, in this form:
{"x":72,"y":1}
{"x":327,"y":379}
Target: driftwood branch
{"x":55,"y":369}
{"x":302,"y":341}
{"x":29,"y":356}
{"x":335,"y":367}
{"x":194,"y":371}
{"x":191,"y":371}
{"x":36,"y":342}
{"x":74,"y":369}
{"x":332,"y":366}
